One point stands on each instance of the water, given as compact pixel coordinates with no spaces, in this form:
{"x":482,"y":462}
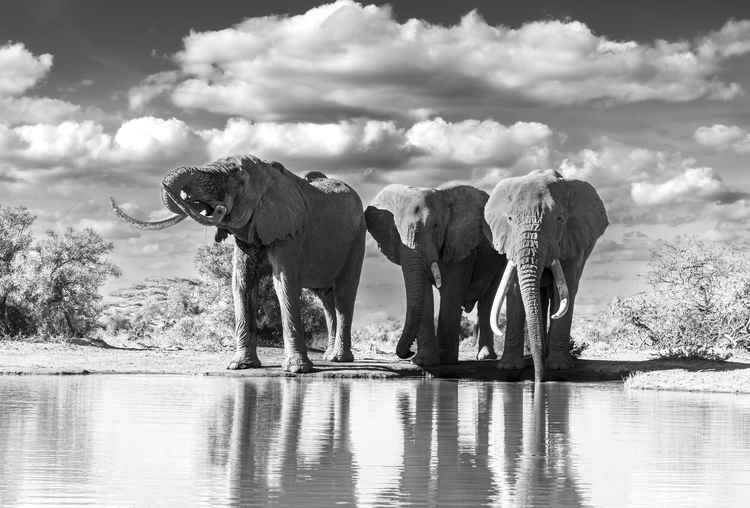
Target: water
{"x":189,"y":441}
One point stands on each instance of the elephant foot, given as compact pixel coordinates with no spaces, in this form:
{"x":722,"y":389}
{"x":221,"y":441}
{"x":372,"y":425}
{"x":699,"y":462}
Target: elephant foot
{"x":486,"y":353}
{"x":426,"y":359}
{"x":560,"y":362}
{"x":243,"y":360}
{"x":511,"y":363}
{"x":333,"y":355}
{"x":297,"y":364}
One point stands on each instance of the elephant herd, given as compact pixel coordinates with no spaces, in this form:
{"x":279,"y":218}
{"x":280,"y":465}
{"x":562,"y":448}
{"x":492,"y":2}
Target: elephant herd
{"x":525,"y":244}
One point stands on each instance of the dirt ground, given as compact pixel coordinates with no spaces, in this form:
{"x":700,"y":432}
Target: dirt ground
{"x":95,"y":358}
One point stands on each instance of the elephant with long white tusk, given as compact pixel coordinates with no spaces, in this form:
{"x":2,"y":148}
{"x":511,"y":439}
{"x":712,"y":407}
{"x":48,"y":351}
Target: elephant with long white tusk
{"x":547,"y":226}
{"x":311,"y":230}
{"x":436,"y":236}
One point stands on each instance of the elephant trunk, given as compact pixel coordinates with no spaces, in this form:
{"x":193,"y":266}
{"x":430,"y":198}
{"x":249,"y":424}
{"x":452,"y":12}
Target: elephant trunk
{"x":529,"y":277}
{"x":175,"y":180}
{"x":412,"y":267}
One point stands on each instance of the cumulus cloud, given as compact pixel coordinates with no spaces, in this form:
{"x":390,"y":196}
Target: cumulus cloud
{"x":642,"y":185}
{"x":724,"y":137}
{"x":85,"y":144}
{"x":348,"y":59}
{"x":346,"y":144}
{"x":695,"y":184}
{"x":20,"y":71}
{"x":382,"y":144}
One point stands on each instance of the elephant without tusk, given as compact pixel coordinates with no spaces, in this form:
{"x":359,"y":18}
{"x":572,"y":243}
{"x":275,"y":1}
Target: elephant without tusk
{"x":547,"y":226}
{"x":311,"y":230}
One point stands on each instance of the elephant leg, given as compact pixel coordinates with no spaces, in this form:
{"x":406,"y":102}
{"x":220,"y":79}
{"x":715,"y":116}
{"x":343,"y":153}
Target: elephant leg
{"x":286,"y":282}
{"x":559,"y":330}
{"x":485,"y":337}
{"x":455,"y":285}
{"x":427,"y":348}
{"x":514,"y":329}
{"x":329,"y":312}
{"x":345,"y":293}
{"x":243,"y":294}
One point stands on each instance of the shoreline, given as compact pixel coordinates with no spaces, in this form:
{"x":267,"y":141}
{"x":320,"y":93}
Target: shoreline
{"x":34,"y":358}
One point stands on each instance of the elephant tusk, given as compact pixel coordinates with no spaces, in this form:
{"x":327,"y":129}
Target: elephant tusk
{"x":211,"y":220}
{"x":562,"y":289}
{"x":502,"y":291}
{"x":435,"y":269}
{"x":142,"y":224}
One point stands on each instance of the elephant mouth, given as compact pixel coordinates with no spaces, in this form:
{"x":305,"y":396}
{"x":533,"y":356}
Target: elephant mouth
{"x":208,"y":213}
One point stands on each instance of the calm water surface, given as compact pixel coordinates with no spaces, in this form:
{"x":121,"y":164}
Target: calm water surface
{"x":186,"y":441}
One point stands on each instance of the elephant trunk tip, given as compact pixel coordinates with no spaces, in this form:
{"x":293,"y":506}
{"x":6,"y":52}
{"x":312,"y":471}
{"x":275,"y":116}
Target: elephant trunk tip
{"x":403,"y":350}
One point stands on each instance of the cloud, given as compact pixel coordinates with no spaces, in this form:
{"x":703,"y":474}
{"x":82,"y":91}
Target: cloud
{"x":380,"y":144}
{"x":151,"y":87}
{"x":85,"y":144}
{"x":346,"y":144}
{"x":20,"y":69}
{"x":347,"y":59}
{"x":482,"y":143}
{"x":695,"y":184}
{"x":643,"y":185}
{"x":724,"y":137}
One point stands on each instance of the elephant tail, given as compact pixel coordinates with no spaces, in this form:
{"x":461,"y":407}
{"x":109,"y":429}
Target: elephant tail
{"x":315,"y":175}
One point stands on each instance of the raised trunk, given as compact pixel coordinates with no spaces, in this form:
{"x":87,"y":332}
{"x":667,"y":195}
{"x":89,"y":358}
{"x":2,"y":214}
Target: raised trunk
{"x":175,"y":179}
{"x":529,"y":274}
{"x":412,"y":267}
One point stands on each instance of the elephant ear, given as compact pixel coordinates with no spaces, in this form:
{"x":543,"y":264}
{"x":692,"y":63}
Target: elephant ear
{"x":465,"y":227}
{"x":382,"y":227}
{"x":281,"y":210}
{"x":496,"y":214}
{"x":586,"y":221}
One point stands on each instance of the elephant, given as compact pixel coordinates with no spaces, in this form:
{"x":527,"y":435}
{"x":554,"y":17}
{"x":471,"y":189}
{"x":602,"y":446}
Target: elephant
{"x":312,"y":231}
{"x":547,"y":226}
{"x":436,"y":236}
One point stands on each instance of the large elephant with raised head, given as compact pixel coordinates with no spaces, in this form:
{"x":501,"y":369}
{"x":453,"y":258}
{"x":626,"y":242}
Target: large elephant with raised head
{"x":311,"y":230}
{"x":436,"y":236}
{"x":547,"y":226}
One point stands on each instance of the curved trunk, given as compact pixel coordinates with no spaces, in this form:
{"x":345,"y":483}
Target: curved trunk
{"x":529,"y":275}
{"x":174,"y":180}
{"x":412,"y":267}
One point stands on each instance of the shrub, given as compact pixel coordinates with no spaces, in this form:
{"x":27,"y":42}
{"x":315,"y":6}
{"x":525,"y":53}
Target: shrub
{"x":697,"y":304}
{"x":50,"y":285}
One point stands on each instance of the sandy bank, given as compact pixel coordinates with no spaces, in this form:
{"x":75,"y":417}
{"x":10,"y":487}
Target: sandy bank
{"x":45,"y":358}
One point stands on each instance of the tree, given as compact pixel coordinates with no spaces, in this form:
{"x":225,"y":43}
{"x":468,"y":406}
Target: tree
{"x":697,"y":304}
{"x":65,"y":275}
{"x":214,"y":263}
{"x":15,"y":240}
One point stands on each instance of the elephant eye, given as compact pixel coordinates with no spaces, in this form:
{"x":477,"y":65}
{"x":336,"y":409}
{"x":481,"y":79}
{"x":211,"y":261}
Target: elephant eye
{"x":560,"y":218}
{"x":510,"y":218}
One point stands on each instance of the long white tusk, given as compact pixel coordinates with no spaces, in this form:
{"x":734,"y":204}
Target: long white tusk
{"x":562,"y":288}
{"x":502,"y":291}
{"x":435,"y":269}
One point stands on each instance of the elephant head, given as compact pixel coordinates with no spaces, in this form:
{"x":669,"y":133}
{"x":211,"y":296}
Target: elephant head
{"x":537,"y":220}
{"x":247,"y":196}
{"x":423,"y":230}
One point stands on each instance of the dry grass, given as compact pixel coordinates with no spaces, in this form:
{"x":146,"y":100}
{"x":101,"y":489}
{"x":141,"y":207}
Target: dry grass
{"x":726,"y":381}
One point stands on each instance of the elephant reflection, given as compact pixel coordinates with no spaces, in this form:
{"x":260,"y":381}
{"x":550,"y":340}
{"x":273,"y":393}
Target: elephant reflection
{"x":433,"y":443}
{"x":268,"y":462}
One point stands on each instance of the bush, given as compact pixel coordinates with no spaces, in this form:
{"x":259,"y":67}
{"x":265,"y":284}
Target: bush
{"x":199,"y":313}
{"x":50,"y":285}
{"x":697,"y":304}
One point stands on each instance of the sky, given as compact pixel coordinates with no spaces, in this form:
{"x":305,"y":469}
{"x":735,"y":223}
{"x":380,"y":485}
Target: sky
{"x":648,"y":101}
